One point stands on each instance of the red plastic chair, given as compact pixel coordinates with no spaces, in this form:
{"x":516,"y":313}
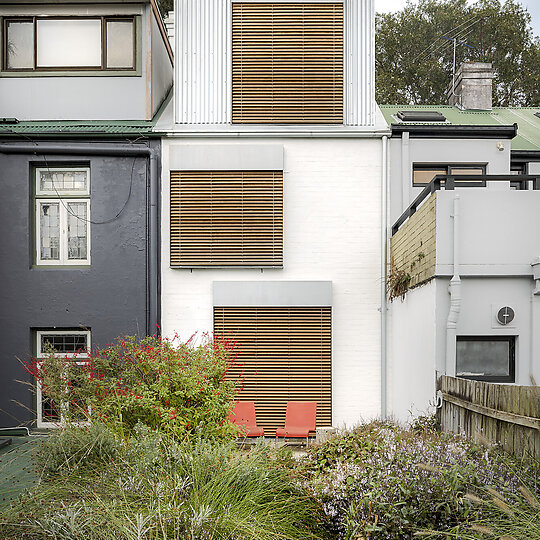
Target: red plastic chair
{"x":300,"y":419}
{"x":243,"y":414}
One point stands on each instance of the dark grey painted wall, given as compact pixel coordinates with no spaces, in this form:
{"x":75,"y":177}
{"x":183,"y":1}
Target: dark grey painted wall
{"x":109,"y":297}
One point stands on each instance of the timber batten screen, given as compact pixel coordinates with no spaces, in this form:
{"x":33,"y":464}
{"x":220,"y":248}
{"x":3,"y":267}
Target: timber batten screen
{"x":285,"y":355}
{"x":287,"y":63}
{"x":226,"y":218}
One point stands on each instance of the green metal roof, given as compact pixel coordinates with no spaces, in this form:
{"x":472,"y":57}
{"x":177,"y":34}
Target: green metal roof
{"x":528,"y":137}
{"x":74,"y":128}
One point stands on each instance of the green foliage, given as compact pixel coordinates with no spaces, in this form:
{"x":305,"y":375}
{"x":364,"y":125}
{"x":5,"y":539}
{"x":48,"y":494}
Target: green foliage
{"x":155,"y":488}
{"x":414,"y":63}
{"x":177,"y":388}
{"x":165,"y":6}
{"x":69,"y":450}
{"x":380,"y":481}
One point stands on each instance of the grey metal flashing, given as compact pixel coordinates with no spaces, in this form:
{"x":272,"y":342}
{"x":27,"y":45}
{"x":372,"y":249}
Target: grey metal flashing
{"x":82,"y":149}
{"x":453,"y":131}
{"x":226,"y":157}
{"x":272,"y":293}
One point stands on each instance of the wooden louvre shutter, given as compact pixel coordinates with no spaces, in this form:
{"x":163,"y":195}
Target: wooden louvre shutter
{"x":226,"y":218}
{"x":287,"y":61}
{"x":286,"y":352}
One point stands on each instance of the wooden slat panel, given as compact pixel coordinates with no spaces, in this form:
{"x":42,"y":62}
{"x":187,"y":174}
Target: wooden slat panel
{"x":286,"y":356}
{"x":287,"y":62}
{"x":226,"y":218}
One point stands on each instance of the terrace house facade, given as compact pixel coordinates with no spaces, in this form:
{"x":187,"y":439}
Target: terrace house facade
{"x":272,"y":199}
{"x":81,"y":84}
{"x":464,"y":191}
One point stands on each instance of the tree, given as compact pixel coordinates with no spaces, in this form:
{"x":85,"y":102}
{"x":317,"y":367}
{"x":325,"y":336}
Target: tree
{"x":165,"y":6}
{"x":414,"y":61}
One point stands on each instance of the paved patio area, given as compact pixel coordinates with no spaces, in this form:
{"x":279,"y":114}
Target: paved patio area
{"x":17,"y":471}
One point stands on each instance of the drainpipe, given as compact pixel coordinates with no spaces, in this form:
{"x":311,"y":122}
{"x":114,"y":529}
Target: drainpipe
{"x":455,"y":299}
{"x":85,"y":149}
{"x":384,"y":266}
{"x":405,"y":171}
{"x":534,"y":379}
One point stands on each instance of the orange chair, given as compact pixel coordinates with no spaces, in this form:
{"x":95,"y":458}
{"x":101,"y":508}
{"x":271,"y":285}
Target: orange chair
{"x":243,"y":414}
{"x":300,"y":419}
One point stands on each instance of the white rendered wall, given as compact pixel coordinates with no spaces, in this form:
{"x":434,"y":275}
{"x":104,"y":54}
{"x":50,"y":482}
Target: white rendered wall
{"x":332,"y":231}
{"x":411,"y":338}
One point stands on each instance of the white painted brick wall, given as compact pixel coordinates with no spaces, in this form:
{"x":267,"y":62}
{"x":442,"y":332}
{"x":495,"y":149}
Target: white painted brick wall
{"x":332,"y":230}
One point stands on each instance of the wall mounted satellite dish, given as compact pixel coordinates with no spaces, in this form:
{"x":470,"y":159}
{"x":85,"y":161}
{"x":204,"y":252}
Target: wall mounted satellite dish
{"x":505,"y":315}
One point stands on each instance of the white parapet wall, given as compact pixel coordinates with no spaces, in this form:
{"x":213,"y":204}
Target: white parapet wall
{"x":332,"y":232}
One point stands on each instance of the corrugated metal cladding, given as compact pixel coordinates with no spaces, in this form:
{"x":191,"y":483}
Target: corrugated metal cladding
{"x":203,"y":77}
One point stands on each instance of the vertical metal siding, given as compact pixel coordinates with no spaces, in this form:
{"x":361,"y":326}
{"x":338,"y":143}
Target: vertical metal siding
{"x":360,"y":62}
{"x":203,"y":69}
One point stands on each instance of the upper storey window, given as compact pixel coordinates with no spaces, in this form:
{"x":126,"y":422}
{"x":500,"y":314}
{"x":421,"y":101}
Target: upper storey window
{"x":287,"y":62}
{"x":79,"y":43}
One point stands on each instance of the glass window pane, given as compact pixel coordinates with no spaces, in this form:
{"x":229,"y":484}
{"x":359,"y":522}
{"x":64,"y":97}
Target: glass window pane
{"x":63,"y":181}
{"x":425,"y":176}
{"x":483,"y":358}
{"x":68,"y":43}
{"x":64,"y":343}
{"x":77,"y":237}
{"x":20,"y":45}
{"x":120,"y":44}
{"x":49,"y":226}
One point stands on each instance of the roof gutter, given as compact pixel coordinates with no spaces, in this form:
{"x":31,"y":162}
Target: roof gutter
{"x":153,"y":278}
{"x":452,"y":131}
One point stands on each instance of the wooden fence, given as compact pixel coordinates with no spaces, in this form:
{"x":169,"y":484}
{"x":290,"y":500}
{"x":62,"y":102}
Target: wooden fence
{"x":505,"y":414}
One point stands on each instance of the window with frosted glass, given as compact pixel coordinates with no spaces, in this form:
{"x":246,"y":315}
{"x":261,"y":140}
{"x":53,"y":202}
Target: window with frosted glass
{"x":77,"y":241}
{"x":68,"y":43}
{"x":19,"y":44}
{"x":486,"y":358}
{"x":120,"y":51}
{"x":62,"y":215}
{"x":84,"y":43}
{"x":49,"y":217}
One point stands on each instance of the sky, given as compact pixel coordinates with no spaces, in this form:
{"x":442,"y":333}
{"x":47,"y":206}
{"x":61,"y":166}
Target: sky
{"x":533,"y":6}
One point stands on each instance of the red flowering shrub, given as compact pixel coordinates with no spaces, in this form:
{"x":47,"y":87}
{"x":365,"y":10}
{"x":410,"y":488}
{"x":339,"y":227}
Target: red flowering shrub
{"x":176,"y":388}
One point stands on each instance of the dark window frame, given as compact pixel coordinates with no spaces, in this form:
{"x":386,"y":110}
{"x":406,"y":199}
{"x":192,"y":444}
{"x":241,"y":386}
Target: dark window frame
{"x":511,"y":377}
{"x":103,"y":67}
{"x":449,"y":167}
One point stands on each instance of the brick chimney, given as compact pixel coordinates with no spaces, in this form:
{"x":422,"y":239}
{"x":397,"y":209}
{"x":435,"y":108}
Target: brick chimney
{"x":472,"y":88}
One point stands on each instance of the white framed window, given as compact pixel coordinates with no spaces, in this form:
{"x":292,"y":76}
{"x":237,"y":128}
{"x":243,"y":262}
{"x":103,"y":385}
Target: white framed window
{"x":62,"y":215}
{"x":70,"y":344}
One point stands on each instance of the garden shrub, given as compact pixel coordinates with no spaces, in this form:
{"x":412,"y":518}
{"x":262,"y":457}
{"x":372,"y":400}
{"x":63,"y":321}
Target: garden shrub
{"x":180,"y":389}
{"x":381,"y":481}
{"x":155,"y":488}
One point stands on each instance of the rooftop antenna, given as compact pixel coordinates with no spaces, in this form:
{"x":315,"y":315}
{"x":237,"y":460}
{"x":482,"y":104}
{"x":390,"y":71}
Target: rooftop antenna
{"x":454,"y":63}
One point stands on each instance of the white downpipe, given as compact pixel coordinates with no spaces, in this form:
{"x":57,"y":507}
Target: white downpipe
{"x":384,"y":266}
{"x":455,"y":299}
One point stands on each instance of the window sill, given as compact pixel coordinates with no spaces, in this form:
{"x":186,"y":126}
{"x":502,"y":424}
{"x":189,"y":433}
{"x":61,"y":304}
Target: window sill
{"x":70,"y":73}
{"x":226,"y":267}
{"x":60,"y":267}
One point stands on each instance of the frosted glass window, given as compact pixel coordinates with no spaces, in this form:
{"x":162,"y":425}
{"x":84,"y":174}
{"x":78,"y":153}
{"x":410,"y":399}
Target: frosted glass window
{"x":49,"y":217}
{"x":62,"y":182}
{"x":485,"y":358}
{"x":76,"y":233}
{"x":69,"y":43}
{"x":20,"y":44}
{"x":120,"y":52}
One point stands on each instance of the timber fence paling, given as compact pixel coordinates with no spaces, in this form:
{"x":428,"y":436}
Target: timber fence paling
{"x":504,"y":414}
